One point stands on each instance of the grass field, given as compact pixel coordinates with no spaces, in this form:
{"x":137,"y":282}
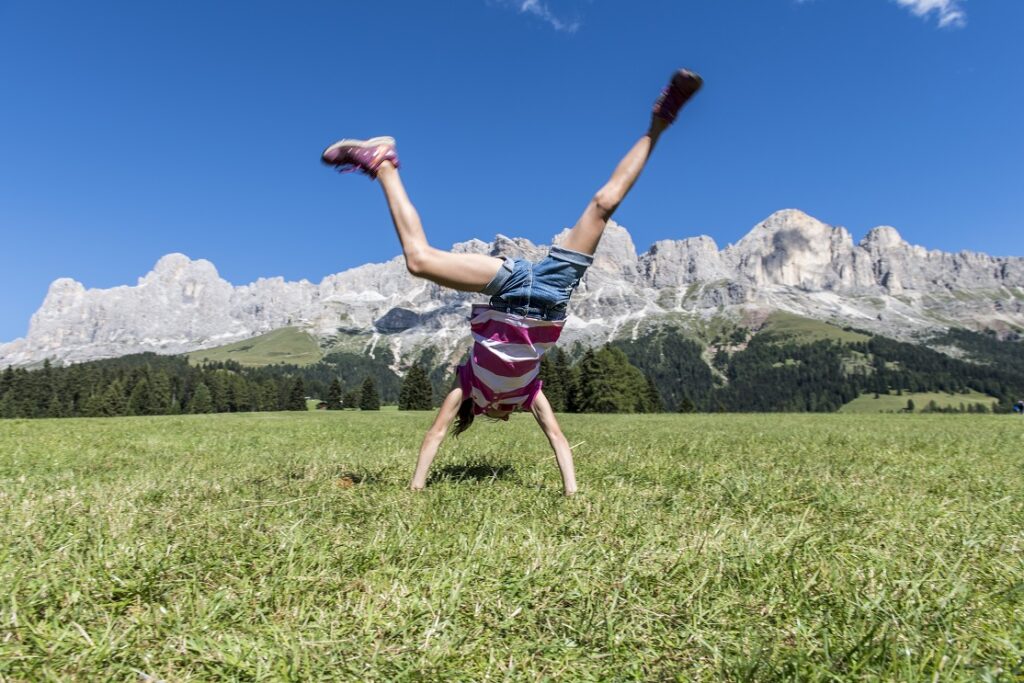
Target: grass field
{"x":701,"y":547}
{"x":286,"y":345}
{"x":891,"y":403}
{"x":807,"y":330}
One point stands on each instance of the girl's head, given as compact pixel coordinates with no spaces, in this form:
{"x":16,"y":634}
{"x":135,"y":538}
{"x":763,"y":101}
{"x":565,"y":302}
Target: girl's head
{"x":465,"y":416}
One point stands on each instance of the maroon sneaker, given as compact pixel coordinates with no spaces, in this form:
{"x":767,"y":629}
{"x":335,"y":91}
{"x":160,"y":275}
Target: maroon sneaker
{"x":681,"y":88}
{"x":365,"y":156}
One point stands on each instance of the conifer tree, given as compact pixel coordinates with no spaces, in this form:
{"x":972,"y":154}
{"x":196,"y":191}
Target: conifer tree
{"x":159,"y":393}
{"x":238,"y":392}
{"x":416,"y":393}
{"x":652,"y":402}
{"x":113,"y":401}
{"x":297,"y":396}
{"x":54,"y":408}
{"x":351,"y":401}
{"x":139,"y":402}
{"x":609,"y":384}
{"x":268,"y":395}
{"x":687,"y":405}
{"x":369,"y":399}
{"x":7,"y":409}
{"x":554,"y":373}
{"x":215,"y":381}
{"x":6,"y":380}
{"x":334,"y":397}
{"x":201,"y":401}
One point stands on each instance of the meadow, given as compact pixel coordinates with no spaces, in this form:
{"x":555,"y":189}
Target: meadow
{"x":286,"y":345}
{"x":252,"y":547}
{"x":896,"y":403}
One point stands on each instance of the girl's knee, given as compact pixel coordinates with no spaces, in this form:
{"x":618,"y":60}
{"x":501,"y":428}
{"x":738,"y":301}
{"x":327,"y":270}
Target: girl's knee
{"x":606,"y":201}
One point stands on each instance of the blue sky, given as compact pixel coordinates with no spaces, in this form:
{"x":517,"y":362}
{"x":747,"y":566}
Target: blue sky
{"x":134,"y":129}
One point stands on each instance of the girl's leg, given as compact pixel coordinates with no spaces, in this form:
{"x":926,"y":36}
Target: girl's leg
{"x":466,"y":272}
{"x":587,"y":232}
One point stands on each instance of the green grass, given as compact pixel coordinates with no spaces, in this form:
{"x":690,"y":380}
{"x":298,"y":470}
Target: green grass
{"x":286,"y":345}
{"x":807,"y":330}
{"x":886,"y":403}
{"x":704,"y":547}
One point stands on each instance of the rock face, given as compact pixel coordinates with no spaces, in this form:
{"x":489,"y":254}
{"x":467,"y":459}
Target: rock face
{"x":790,"y":261}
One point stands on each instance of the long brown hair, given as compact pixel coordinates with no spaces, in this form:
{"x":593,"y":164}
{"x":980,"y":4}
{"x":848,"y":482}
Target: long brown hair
{"x":465,"y":417}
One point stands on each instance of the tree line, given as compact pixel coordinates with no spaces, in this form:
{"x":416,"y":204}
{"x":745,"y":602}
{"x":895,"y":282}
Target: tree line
{"x":148,"y":384}
{"x":662,"y":371}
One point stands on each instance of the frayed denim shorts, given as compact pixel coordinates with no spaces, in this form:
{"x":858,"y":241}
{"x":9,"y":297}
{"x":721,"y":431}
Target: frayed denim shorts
{"x":541,"y":289}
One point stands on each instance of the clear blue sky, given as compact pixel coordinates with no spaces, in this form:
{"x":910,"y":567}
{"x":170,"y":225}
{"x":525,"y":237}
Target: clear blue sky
{"x":132,"y":129}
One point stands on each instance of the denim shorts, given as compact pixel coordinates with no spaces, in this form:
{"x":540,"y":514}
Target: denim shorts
{"x":541,"y":289}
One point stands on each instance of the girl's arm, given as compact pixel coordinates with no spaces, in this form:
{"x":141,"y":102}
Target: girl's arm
{"x":434,"y":436}
{"x":563,"y":455}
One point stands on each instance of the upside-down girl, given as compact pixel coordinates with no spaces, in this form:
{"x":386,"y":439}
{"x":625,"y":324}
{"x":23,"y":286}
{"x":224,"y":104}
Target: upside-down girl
{"x":528,"y":300}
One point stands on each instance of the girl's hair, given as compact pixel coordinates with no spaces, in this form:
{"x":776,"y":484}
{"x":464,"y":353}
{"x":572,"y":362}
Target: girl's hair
{"x":465,"y":418}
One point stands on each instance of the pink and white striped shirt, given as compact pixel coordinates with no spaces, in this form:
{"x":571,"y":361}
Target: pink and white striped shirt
{"x":501,"y":374}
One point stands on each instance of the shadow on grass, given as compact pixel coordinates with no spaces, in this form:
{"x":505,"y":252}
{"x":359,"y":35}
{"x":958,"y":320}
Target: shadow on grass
{"x":475,"y":472}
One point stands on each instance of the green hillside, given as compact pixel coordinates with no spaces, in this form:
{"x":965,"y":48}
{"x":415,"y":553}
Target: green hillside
{"x":807,"y":330}
{"x":286,"y":345}
{"x":886,"y":403}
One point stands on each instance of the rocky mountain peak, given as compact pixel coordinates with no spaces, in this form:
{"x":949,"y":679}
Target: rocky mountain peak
{"x":64,"y":286}
{"x":789,"y":248}
{"x":177,"y":267}
{"x":882,"y":237}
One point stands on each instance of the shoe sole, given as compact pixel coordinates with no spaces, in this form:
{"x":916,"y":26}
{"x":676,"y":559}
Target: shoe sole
{"x":687,"y":77}
{"x":364,"y":144}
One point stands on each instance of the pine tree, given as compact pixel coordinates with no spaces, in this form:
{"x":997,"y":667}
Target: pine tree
{"x":297,"y":396}
{"x":334,"y":396}
{"x":201,"y":401}
{"x":54,"y":407}
{"x":609,"y":384}
{"x":240,"y":399}
{"x":416,"y":393}
{"x":159,"y":393}
{"x":351,"y":401}
{"x":113,"y":402}
{"x":687,"y":405}
{"x":139,"y":401}
{"x":268,"y":395}
{"x":217,"y":384}
{"x":7,"y":408}
{"x":369,"y":399}
{"x":554,"y":373}
{"x":6,"y":380}
{"x":652,"y":402}
{"x":910,"y":405}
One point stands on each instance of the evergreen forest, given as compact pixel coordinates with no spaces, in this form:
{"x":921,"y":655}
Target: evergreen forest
{"x":662,"y":371}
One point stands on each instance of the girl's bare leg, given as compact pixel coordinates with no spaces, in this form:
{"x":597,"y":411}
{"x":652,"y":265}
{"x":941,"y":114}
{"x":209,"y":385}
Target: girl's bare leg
{"x":587,"y":232}
{"x":466,"y":272}
{"x":434,"y":436}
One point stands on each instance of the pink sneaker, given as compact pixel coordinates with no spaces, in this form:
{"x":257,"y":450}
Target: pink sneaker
{"x":682,"y":87}
{"x":365,"y":156}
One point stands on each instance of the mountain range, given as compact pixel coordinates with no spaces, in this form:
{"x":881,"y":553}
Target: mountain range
{"x":790,"y":262}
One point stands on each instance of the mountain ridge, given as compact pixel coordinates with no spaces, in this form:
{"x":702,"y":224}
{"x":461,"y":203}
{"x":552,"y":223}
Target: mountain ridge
{"x":790,"y":262}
